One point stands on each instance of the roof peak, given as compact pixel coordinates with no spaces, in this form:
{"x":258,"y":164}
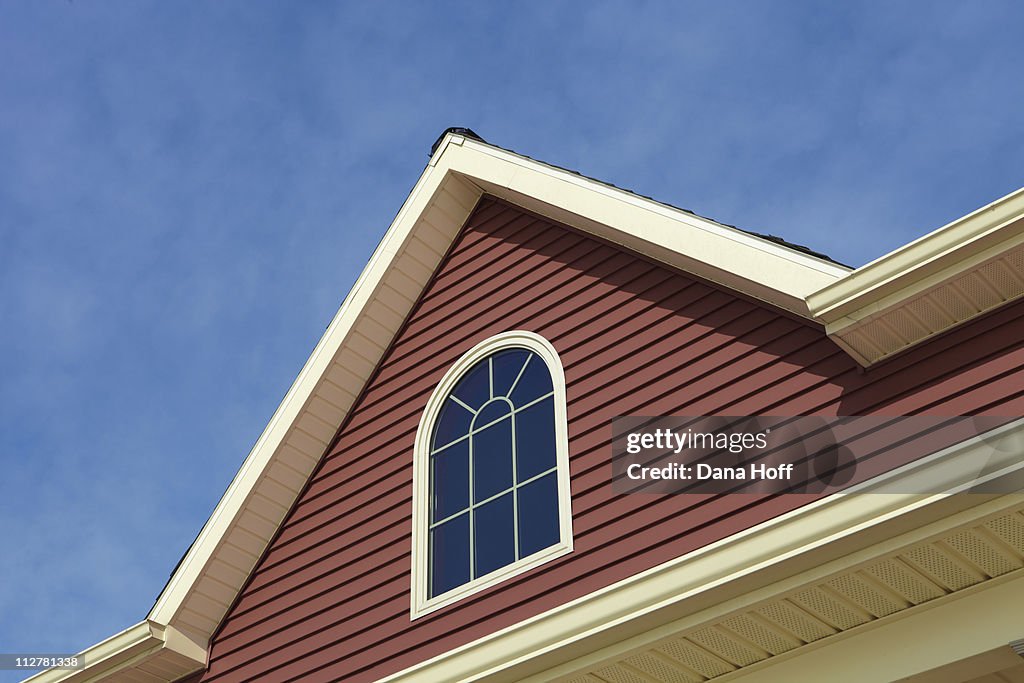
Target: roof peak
{"x":455,"y":130}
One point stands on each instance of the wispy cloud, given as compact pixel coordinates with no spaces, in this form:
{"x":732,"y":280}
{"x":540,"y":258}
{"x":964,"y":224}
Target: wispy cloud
{"x":187,"y":193}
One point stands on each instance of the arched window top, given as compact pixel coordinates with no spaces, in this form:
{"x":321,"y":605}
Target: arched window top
{"x":493,"y":387}
{"x":491,"y":480}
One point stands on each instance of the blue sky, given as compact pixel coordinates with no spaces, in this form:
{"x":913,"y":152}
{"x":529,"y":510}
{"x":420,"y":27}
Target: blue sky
{"x":187,"y":191}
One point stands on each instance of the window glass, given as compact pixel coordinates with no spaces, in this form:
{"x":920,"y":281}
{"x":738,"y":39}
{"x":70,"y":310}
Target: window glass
{"x":535,"y":443}
{"x":495,"y":410}
{"x":450,"y":555}
{"x":474,"y":389}
{"x":534,"y":382}
{"x":538,"y":514}
{"x":451,"y":480}
{"x":494,"y":527}
{"x":491,"y":449}
{"x":452,"y":423}
{"x":493,"y":471}
{"x":506,"y":366}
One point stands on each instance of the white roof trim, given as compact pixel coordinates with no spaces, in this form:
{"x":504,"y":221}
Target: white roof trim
{"x":942,"y":248}
{"x":960,"y":271}
{"x":731,"y":257}
{"x":145,"y":647}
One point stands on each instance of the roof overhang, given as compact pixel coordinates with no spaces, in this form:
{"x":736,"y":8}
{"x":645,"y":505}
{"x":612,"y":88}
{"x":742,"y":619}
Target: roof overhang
{"x":738,"y":260}
{"x":145,"y":651}
{"x":956,"y":273}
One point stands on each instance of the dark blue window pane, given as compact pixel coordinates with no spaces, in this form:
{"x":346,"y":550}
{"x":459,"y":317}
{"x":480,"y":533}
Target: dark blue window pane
{"x":505,"y":366}
{"x":474,"y":389}
{"x":452,"y":423}
{"x":450,"y":482}
{"x":494,"y":535}
{"x":538,"y":515}
{"x":533,"y":383}
{"x":491,"y":412}
{"x":492,"y":460}
{"x":449,"y":545}
{"x":535,"y":439}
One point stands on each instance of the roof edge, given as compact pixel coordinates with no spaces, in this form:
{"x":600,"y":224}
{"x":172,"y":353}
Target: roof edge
{"x":939,"y":281}
{"x":766,"y":269}
{"x":146,"y":644}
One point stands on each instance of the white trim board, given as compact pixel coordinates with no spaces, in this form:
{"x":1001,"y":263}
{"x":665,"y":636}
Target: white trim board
{"x":940,"y":281}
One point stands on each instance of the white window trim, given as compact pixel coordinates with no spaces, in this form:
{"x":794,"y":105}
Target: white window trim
{"x":421,"y":603}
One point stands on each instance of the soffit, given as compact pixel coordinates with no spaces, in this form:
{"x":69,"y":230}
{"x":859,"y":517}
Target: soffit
{"x":959,"y":272}
{"x":877,"y":591}
{"x":143,"y":653}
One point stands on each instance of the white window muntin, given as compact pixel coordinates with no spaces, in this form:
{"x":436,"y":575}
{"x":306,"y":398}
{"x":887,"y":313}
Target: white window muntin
{"x":421,"y":602}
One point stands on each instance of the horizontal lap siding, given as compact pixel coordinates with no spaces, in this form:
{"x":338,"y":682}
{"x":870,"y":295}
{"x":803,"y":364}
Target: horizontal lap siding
{"x":330,"y":598}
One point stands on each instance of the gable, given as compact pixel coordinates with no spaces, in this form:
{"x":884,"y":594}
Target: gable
{"x":331,"y":594}
{"x":715,"y":346}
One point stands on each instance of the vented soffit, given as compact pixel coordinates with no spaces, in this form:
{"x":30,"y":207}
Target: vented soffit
{"x":944,"y":279}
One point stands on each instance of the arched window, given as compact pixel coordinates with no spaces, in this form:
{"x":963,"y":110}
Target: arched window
{"x":491,"y":478}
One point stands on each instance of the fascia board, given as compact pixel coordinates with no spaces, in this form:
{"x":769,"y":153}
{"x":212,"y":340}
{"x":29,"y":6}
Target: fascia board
{"x":127,"y":644}
{"x":538,"y":172}
{"x":923,"y":263}
{"x":730,"y":257}
{"x":138,"y":644}
{"x":930,"y":277}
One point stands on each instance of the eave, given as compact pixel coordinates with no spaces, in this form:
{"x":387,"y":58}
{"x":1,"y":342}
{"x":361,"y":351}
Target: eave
{"x":146,"y":651}
{"x":942,"y":280}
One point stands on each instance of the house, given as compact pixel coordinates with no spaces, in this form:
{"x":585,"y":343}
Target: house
{"x":433,"y":499}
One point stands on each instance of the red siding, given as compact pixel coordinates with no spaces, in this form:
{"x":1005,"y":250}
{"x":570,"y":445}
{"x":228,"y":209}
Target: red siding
{"x":330,"y":599}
